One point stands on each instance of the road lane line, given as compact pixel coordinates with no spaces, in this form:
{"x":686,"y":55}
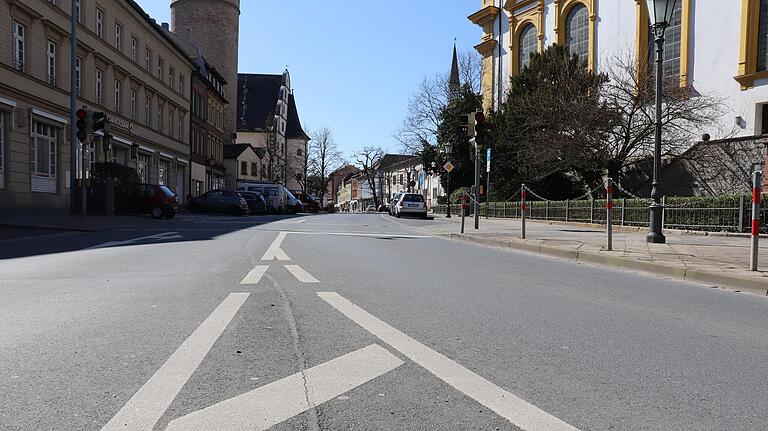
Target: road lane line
{"x":300,"y":274}
{"x":274,"y":252}
{"x":148,"y":405}
{"x":372,"y":235}
{"x":254,"y":277}
{"x":301,"y":221}
{"x":279,"y":401}
{"x":514,"y":409}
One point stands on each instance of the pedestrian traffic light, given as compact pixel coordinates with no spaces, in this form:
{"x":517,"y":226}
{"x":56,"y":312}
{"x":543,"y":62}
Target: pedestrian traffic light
{"x":82,"y":124}
{"x":467,"y":124}
{"x":99,"y":122}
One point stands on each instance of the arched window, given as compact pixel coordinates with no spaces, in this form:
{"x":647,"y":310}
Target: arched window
{"x":762,"y":43}
{"x":528,"y":45}
{"x":672,"y":43}
{"x":577,"y":32}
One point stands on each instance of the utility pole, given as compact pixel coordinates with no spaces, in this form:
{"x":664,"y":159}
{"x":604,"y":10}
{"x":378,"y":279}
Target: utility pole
{"x":73,"y":141}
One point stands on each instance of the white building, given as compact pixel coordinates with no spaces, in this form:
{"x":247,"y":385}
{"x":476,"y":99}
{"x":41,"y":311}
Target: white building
{"x":717,"y":47}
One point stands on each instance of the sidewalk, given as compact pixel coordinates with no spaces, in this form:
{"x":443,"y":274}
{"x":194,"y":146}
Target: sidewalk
{"x":714,"y":260}
{"x":58,"y":219}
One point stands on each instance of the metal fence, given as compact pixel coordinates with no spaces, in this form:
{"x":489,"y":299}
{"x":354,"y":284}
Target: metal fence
{"x":713,"y":214}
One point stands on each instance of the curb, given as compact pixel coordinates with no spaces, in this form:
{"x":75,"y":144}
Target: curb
{"x":738,"y":284}
{"x":50,"y":227}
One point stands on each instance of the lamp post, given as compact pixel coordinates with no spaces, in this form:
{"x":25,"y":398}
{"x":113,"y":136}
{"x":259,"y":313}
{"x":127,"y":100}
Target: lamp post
{"x":448,"y":153}
{"x":661,"y":15}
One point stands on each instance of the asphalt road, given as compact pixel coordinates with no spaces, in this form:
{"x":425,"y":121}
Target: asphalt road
{"x":359,"y":322}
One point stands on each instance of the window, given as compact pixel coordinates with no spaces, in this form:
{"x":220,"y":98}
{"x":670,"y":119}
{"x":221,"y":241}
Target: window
{"x":99,"y":22}
{"x":171,"y":77}
{"x":77,"y":75}
{"x":159,"y":119}
{"x":147,"y":59}
{"x":98,"y":87}
{"x":577,"y":32}
{"x":147,"y":110}
{"x":529,"y":44}
{"x":142,"y":168}
{"x":243,"y":168}
{"x":134,"y":48}
{"x":163,"y":168}
{"x":181,"y":84}
{"x":764,"y":115}
{"x":77,"y":10}
{"x":51,"y":55}
{"x":180,"y":135}
{"x":254,"y":169}
{"x":118,"y":36}
{"x":18,"y":46}
{"x":299,"y":152}
{"x":117,"y":96}
{"x":672,"y":43}
{"x":170,"y":121}
{"x":43,"y":157}
{"x":160,"y":68}
{"x":762,"y":45}
{"x":133,"y":103}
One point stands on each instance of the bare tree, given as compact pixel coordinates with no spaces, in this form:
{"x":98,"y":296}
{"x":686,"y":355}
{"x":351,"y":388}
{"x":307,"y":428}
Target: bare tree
{"x":687,"y":114}
{"x":323,"y":156}
{"x":368,"y":160}
{"x":422,"y":117}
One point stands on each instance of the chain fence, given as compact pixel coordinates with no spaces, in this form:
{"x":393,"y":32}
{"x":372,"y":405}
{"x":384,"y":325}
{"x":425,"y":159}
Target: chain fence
{"x":712,"y":214}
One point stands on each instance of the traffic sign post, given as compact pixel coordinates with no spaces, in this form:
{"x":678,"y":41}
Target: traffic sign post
{"x":488,"y":183}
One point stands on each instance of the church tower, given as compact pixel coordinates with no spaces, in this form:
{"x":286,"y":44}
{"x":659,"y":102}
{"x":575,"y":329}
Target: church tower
{"x":454,"y":83}
{"x":213,"y":26}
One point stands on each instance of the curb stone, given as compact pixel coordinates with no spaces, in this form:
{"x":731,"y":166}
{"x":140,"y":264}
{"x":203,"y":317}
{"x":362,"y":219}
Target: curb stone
{"x":729,"y":282}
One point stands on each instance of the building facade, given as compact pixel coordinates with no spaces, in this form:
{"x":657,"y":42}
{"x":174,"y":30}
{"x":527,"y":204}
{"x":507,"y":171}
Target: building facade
{"x":126,"y":66}
{"x":267,"y":118}
{"x":713,"y":46}
{"x":243,"y":163}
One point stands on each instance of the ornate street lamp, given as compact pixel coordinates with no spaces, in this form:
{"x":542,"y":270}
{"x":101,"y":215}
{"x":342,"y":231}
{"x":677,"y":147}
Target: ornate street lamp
{"x":661,"y":15}
{"x":448,"y":153}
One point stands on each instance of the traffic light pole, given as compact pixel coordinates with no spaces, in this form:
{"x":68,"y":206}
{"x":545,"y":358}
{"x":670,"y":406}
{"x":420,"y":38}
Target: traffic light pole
{"x":476,"y":203}
{"x":73,"y":109}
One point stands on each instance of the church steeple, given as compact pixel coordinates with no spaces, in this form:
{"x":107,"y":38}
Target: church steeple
{"x":454,"y":83}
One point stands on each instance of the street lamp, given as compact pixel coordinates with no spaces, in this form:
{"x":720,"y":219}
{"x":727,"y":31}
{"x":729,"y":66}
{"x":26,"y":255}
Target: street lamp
{"x":661,"y":15}
{"x":448,"y":152}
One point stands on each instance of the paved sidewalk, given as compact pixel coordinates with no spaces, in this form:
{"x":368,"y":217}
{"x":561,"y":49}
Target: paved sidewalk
{"x":59,"y":219}
{"x":714,"y":260}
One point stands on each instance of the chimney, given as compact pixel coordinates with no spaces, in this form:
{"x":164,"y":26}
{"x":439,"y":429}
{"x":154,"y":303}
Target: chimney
{"x":166,"y":27}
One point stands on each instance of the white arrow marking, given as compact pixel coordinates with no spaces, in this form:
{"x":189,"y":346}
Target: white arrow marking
{"x":274,"y":251}
{"x":300,"y":274}
{"x":276,"y":402}
{"x":254,"y":277}
{"x":167,"y":236}
{"x":147,"y":406}
{"x":517,"y":411}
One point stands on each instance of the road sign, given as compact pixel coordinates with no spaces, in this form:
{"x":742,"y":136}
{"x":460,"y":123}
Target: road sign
{"x":488,"y":165}
{"x":448,"y":167}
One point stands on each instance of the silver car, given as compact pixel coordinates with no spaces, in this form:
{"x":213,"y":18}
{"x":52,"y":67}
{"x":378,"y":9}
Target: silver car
{"x":393,"y":202}
{"x":411,"y":203}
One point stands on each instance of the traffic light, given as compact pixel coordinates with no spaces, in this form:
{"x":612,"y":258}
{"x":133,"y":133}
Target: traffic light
{"x":467,"y":124}
{"x":99,"y":122}
{"x":480,"y":130}
{"x":82,"y":125}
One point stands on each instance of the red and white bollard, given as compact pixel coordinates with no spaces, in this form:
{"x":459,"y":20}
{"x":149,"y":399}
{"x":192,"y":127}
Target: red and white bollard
{"x":522,"y":211}
{"x":757,"y":182}
{"x":609,"y":209}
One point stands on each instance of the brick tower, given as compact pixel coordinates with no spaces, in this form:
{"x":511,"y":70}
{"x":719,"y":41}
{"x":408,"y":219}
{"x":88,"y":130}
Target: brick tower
{"x":213,"y":25}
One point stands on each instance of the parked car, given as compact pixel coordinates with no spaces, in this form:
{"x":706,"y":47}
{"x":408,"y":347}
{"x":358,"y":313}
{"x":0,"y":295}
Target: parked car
{"x":219,"y":201}
{"x":293,"y":205}
{"x":311,"y":205}
{"x":154,"y":199}
{"x":411,"y":203}
{"x":383,"y":208}
{"x":370,"y":209}
{"x":273,"y":193}
{"x":256,"y":202}
{"x":393,"y":203}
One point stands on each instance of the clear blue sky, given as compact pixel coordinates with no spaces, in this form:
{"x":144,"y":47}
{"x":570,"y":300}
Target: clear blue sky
{"x":353,"y":63}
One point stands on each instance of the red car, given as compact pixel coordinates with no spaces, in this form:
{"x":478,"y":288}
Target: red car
{"x":310,"y":205}
{"x":154,"y":199}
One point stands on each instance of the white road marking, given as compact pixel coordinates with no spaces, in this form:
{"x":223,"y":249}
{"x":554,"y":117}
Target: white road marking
{"x":301,"y":221}
{"x":279,"y":401}
{"x":300,"y":274}
{"x":372,"y":235}
{"x":516,"y":410}
{"x":274,"y":251}
{"x":254,"y":277}
{"x":148,"y":405}
{"x":167,"y":236}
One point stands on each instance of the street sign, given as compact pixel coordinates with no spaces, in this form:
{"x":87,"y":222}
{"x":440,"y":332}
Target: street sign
{"x":448,"y":167}
{"x":488,"y":165}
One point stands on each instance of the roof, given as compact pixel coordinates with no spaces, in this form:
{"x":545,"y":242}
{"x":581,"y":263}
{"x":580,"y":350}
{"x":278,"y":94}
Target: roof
{"x":153,"y":23}
{"x":233,"y":151}
{"x":391,"y":160}
{"x":257,"y":97}
{"x":293,"y":129}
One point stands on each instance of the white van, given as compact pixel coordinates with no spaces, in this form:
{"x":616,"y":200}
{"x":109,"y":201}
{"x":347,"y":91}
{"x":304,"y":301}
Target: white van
{"x":274,"y":194}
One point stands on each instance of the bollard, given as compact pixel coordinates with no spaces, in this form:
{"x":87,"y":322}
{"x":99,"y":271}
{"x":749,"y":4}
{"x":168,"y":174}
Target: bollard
{"x":756,"y":190}
{"x":567,"y":209}
{"x":623,"y":210}
{"x":609,"y":215}
{"x":741,"y":214}
{"x":522,"y":211}
{"x":463,"y":210}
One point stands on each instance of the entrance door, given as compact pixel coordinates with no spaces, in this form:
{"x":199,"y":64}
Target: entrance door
{"x":181,"y":181}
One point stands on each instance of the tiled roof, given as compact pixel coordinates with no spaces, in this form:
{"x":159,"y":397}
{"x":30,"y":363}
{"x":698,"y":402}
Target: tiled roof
{"x":257,"y":97}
